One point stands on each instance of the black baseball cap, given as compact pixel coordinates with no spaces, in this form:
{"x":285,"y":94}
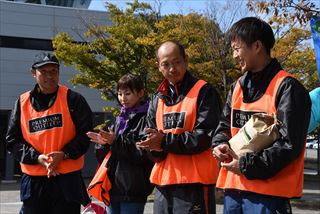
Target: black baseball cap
{"x":44,"y":58}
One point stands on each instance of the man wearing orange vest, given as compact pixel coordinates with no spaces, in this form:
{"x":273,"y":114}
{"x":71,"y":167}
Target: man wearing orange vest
{"x":263,"y":181}
{"x":182,"y":117}
{"x":47,"y":135}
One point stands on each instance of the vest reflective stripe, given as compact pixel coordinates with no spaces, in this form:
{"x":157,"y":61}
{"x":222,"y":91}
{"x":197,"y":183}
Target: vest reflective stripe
{"x":100,"y":185}
{"x":286,"y":183}
{"x":48,"y":131}
{"x":180,"y":169}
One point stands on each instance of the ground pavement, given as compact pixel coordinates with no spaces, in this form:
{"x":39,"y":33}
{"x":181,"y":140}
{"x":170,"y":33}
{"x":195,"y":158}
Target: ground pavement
{"x":308,"y":204}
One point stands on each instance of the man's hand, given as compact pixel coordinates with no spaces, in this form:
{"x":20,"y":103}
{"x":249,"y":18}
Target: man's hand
{"x":54,"y":159}
{"x":46,"y":161}
{"x":233,"y":165}
{"x":43,"y":160}
{"x":153,"y":141}
{"x":221,"y":152}
{"x":52,"y":172}
{"x":102,"y":137}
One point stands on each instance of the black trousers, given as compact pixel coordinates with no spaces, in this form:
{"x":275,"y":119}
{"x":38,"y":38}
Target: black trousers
{"x":62,"y":194}
{"x":185,"y":199}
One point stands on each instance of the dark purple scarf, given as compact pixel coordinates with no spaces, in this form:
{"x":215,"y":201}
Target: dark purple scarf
{"x":124,"y":116}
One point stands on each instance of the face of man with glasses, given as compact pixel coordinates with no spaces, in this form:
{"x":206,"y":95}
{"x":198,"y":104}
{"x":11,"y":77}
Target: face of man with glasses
{"x":171,"y":63}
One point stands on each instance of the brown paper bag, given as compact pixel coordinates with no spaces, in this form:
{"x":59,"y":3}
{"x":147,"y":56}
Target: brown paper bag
{"x":259,"y":132}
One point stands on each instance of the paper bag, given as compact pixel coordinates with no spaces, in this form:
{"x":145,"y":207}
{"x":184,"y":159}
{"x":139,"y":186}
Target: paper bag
{"x":259,"y":132}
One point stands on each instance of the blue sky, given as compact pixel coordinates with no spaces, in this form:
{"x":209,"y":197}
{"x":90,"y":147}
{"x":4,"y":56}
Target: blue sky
{"x":168,"y":6}
{"x":225,"y":11}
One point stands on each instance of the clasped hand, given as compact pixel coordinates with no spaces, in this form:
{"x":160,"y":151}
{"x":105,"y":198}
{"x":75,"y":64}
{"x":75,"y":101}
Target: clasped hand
{"x":229,"y":159}
{"x":50,"y":161}
{"x":153,"y":141}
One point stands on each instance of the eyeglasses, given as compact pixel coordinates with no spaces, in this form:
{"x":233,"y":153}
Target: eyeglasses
{"x":168,"y":66}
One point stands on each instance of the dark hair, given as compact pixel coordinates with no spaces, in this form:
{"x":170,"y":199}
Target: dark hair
{"x":180,"y":46}
{"x":130,"y":81}
{"x":251,"y":29}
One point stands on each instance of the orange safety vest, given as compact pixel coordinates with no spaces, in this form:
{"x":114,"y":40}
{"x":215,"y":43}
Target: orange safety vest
{"x":286,"y":183}
{"x":100,"y":184}
{"x":177,"y":168}
{"x":48,"y":131}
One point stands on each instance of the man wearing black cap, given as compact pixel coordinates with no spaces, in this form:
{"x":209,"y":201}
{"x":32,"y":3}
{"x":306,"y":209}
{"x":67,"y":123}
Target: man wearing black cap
{"x":47,"y":135}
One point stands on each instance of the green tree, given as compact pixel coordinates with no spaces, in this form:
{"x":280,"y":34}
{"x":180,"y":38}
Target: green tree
{"x":113,"y":50}
{"x":209,"y":55}
{"x":129,"y":44}
{"x":291,"y":10}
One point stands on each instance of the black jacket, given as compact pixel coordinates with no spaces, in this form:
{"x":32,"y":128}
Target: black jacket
{"x":293,"y":111}
{"x":207,"y":119}
{"x":71,"y":183}
{"x":81,"y":116}
{"x":129,"y":167}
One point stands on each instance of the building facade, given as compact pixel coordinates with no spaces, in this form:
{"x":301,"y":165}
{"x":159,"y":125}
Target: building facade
{"x":63,"y":3}
{"x":27,"y":29}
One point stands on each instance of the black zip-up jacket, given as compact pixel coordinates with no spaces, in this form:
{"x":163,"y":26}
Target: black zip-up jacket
{"x":207,"y":119}
{"x":293,"y":111}
{"x":81,"y":116}
{"x":129,"y":167}
{"x":71,"y":183}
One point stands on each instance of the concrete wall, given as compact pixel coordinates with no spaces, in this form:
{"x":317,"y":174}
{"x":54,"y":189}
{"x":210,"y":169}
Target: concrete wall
{"x":40,"y":22}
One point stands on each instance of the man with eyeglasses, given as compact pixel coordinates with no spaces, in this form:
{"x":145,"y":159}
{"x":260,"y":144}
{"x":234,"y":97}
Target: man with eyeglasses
{"x":47,"y":135}
{"x":182,"y":117}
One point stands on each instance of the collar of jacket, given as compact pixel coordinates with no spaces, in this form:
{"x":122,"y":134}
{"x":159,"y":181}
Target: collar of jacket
{"x":259,"y":80}
{"x":182,"y":87}
{"x":42,"y":101}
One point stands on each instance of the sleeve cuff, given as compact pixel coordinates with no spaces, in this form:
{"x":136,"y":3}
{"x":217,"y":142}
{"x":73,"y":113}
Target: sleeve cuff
{"x":242,"y":168}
